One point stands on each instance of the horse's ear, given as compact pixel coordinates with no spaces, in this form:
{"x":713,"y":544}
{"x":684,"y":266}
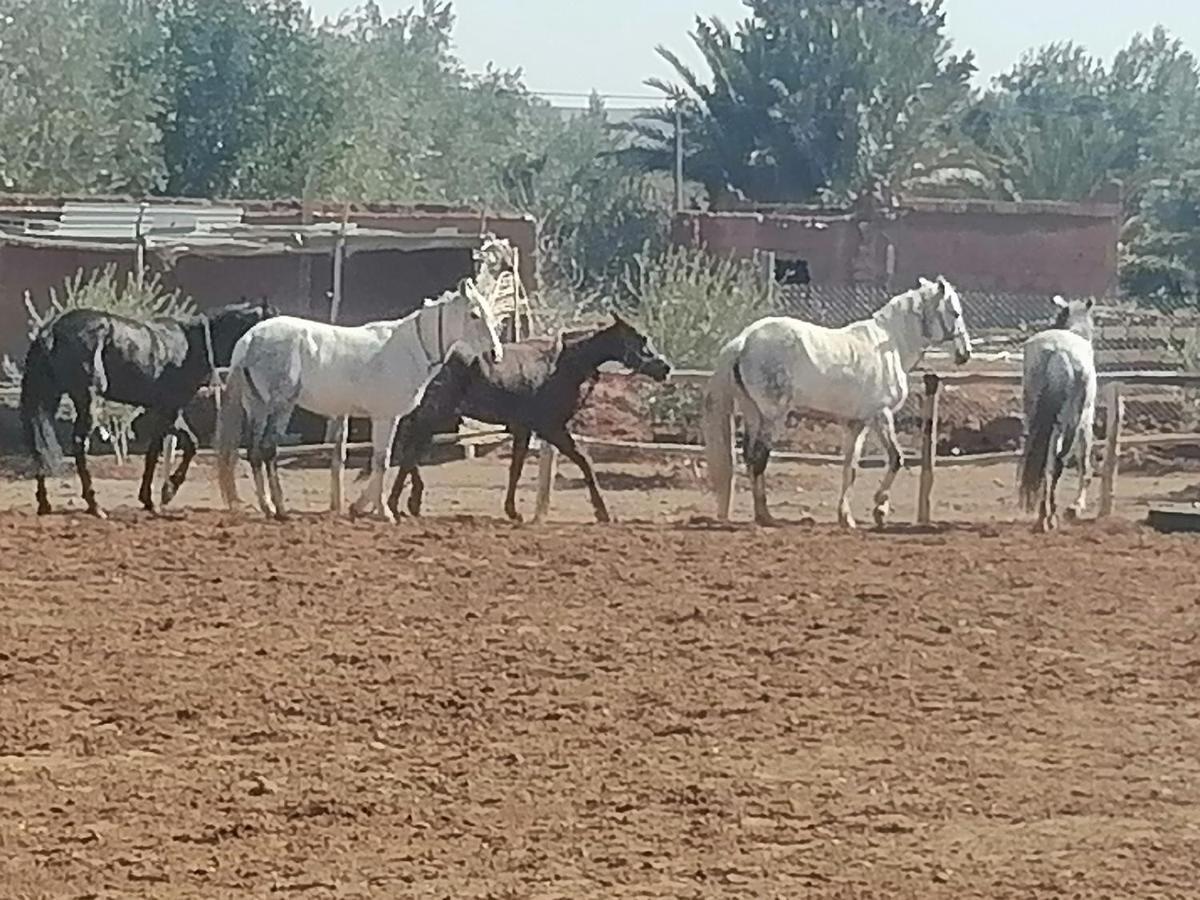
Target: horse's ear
{"x":1060,"y":301}
{"x":1090,"y":303}
{"x":618,"y":319}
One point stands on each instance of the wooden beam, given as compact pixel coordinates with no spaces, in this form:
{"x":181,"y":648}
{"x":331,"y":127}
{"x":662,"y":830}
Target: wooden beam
{"x":547,"y":469}
{"x":1114,"y":418}
{"x":929,"y":438}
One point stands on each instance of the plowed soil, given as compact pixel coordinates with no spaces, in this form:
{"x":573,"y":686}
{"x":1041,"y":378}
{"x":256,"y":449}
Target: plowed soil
{"x":208,"y":705}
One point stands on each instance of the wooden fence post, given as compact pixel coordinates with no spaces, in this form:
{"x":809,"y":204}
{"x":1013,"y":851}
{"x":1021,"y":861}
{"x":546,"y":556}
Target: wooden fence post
{"x":929,"y":439}
{"x":1114,"y":420}
{"x":547,"y":468}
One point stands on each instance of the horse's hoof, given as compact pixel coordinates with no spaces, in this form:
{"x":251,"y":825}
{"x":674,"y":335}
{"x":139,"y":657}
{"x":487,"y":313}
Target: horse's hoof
{"x":880,"y":513}
{"x":97,"y":513}
{"x":848,"y":523}
{"x":169,"y":491}
{"x":1074,"y":515}
{"x":514,"y":516}
{"x":603,"y":518}
{"x":44,"y":509}
{"x":766,"y":521}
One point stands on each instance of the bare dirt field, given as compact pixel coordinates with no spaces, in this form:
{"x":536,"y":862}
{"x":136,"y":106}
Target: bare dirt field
{"x":208,"y":705}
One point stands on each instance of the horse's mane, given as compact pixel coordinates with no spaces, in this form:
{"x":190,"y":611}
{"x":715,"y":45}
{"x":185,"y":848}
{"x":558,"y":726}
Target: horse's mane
{"x":908,"y":302}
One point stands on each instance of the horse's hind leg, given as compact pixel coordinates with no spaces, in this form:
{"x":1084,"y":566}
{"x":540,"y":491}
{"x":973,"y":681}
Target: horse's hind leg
{"x":520,"y":450}
{"x":160,"y":424}
{"x":1048,"y":510}
{"x":1083,"y":447}
{"x":885,"y":425}
{"x":856,"y":433}
{"x":187,"y":440}
{"x":756,"y":450}
{"x":255,"y":454}
{"x":80,"y":440}
{"x":276,"y":426}
{"x":417,"y":494}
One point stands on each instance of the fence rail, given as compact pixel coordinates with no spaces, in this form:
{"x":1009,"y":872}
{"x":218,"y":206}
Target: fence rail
{"x":1114,"y":383}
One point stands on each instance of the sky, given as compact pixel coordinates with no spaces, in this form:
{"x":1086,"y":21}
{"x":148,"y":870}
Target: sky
{"x":575,"y":46}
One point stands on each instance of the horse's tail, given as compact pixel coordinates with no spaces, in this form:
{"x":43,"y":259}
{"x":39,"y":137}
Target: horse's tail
{"x":39,"y":405}
{"x":229,"y":432}
{"x":1051,"y":417}
{"x":720,"y":394}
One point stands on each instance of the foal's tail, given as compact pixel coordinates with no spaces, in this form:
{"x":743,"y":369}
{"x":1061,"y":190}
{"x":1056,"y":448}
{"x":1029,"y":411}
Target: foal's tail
{"x":1053,"y":414}
{"x":723,"y":389}
{"x":39,"y":405}
{"x":229,"y":432}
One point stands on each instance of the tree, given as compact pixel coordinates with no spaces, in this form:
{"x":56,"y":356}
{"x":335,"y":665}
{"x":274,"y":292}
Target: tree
{"x":816,"y":97}
{"x":247,"y":111}
{"x":1062,"y":124}
{"x":594,"y":213}
{"x":77,"y":102}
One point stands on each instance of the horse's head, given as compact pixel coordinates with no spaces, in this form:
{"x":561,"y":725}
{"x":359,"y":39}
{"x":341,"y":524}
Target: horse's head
{"x":227,"y":325}
{"x":635,"y":350}
{"x":942,"y":317}
{"x":476,"y":324}
{"x":1075,"y":315}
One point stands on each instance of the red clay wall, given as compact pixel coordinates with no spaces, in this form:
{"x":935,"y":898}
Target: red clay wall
{"x":1037,"y":248}
{"x":377,"y":285}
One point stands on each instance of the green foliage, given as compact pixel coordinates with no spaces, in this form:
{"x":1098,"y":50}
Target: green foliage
{"x":1161,"y":259}
{"x":691,"y":301}
{"x":816,"y":98}
{"x":594,"y":214}
{"x":247,"y":107}
{"x":76,"y":101}
{"x":1062,"y":124}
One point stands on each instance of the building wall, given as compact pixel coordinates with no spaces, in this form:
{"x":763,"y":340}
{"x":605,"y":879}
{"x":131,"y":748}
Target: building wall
{"x":1031,"y":248}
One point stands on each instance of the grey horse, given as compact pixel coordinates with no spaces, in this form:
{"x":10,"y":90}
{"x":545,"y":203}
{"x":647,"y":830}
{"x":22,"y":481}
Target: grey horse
{"x":1059,"y":387}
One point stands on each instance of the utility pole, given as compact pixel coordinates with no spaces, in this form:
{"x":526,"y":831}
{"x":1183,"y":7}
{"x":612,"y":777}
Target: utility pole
{"x":678,"y":156}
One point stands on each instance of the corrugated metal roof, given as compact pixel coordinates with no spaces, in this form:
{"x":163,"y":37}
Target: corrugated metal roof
{"x":114,"y":221}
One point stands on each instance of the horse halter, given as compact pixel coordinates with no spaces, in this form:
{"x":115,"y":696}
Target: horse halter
{"x":430,"y":359}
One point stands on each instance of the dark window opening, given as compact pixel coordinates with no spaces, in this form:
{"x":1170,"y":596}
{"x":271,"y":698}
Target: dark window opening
{"x":792,"y":271}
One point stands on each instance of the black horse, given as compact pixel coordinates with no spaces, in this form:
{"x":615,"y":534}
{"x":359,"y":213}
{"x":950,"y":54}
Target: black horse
{"x":159,"y":365}
{"x":536,"y":388}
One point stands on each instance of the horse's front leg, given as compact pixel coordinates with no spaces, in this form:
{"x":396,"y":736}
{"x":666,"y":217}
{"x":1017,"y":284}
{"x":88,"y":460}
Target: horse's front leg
{"x":383,"y":431}
{"x":337,"y":469}
{"x":80,"y":439}
{"x":856,"y":433}
{"x":565,"y":444}
{"x":187,"y":440}
{"x":885,"y":426}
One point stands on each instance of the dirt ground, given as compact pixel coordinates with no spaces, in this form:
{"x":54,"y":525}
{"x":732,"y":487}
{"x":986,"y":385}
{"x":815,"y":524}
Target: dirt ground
{"x":208,"y":705}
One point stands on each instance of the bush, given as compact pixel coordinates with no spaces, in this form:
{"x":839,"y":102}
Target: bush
{"x":104,"y":289}
{"x":692,"y":302}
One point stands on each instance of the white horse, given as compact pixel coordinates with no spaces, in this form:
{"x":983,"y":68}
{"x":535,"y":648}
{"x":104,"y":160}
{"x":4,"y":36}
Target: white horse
{"x":379,"y":370}
{"x":858,"y":374}
{"x":1059,"y":387}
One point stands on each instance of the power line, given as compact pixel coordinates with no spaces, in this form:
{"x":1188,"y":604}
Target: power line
{"x":585,"y":95}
